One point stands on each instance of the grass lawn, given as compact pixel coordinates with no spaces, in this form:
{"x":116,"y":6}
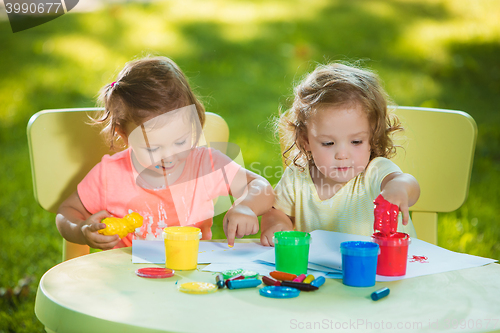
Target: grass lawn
{"x":243,"y":58}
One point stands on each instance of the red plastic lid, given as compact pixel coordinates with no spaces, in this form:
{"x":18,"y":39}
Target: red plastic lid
{"x":396,"y":239}
{"x":155,"y":272}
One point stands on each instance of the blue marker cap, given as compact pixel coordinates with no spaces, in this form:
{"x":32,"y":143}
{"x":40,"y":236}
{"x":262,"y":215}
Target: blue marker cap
{"x":279,"y":292}
{"x":376,"y":295}
{"x":318,"y":282}
{"x":246,"y":283}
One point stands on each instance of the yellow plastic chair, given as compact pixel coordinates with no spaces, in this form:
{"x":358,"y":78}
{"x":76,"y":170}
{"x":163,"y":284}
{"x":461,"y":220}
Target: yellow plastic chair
{"x":63,"y":148}
{"x":438,"y":150}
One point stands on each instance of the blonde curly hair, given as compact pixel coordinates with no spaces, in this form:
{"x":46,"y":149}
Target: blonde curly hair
{"x":337,"y":84}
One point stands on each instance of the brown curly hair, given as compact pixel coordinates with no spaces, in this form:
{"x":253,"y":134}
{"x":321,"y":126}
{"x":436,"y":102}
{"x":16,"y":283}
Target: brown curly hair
{"x":337,"y":84}
{"x":144,"y":88}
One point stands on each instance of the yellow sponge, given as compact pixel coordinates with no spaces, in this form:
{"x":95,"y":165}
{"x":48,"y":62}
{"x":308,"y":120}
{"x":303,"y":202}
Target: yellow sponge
{"x":121,"y":227}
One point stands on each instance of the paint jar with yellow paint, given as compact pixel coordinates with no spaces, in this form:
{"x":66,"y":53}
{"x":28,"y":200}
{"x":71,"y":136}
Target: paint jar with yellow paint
{"x":181,"y":247}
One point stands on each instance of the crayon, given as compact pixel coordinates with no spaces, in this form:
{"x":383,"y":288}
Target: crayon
{"x":270,"y":281}
{"x":282,"y":276}
{"x":246,"y":283}
{"x":318,"y":282}
{"x":237,"y":277}
{"x":309,"y":279}
{"x":299,"y":285}
{"x":300,"y":278}
{"x":381,"y":293}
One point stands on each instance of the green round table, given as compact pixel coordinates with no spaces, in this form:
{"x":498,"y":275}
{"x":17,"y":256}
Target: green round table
{"x":100,"y":292}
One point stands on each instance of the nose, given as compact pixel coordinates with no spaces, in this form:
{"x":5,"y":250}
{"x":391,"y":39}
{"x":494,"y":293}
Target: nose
{"x":341,"y":153}
{"x":168,"y":155}
{"x":168,"y":159}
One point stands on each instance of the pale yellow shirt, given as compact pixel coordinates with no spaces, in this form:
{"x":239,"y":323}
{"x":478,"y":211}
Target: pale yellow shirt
{"x":350,"y":210}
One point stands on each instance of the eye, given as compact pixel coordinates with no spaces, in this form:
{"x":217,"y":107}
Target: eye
{"x":325,"y":144}
{"x":151,"y":149}
{"x":181,"y":143}
{"x":357,"y":142}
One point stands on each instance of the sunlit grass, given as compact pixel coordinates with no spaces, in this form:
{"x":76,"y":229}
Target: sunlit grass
{"x":430,"y":38}
{"x":243,"y":12}
{"x":412,"y":88}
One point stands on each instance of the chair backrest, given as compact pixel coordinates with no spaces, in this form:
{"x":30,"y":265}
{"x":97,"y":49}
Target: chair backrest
{"x":63,"y":147}
{"x":437,"y":148}
{"x":438,"y":151}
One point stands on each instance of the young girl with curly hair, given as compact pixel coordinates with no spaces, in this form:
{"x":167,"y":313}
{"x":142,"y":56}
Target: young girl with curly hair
{"x":337,"y":136}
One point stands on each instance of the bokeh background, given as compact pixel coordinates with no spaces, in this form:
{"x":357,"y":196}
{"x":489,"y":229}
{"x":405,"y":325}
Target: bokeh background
{"x":243,"y":58}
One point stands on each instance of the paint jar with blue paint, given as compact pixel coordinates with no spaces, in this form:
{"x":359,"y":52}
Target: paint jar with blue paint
{"x":359,"y":263}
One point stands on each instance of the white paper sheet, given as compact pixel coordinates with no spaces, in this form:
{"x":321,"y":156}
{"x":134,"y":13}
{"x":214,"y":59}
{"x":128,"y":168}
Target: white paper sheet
{"x":148,"y":252}
{"x":325,"y":250}
{"x":211,"y":252}
{"x":153,"y":252}
{"x":425,"y":258}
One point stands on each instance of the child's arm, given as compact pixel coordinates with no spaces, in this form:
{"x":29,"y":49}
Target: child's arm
{"x":78,"y":226}
{"x":273,"y":221}
{"x":401,"y":189}
{"x":255,"y":197}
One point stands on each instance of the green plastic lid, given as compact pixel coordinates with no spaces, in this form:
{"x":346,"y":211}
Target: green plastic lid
{"x":240,"y":271}
{"x":292,"y":238}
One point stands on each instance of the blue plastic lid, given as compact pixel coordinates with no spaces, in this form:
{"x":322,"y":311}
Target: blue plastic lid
{"x":359,"y":248}
{"x":279,"y":292}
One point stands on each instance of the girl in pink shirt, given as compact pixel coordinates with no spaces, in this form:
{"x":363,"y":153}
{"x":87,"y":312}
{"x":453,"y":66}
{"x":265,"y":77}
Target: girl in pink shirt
{"x":164,"y":175}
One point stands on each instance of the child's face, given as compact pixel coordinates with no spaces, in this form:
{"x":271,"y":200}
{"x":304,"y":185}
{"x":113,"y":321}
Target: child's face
{"x":162,"y":144}
{"x":339,"y":139}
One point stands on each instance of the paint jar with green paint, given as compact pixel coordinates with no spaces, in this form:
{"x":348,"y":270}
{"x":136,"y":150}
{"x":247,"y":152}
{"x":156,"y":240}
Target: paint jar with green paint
{"x":292,"y":251}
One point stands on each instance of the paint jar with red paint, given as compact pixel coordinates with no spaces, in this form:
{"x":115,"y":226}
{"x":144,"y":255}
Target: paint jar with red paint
{"x":393,"y":253}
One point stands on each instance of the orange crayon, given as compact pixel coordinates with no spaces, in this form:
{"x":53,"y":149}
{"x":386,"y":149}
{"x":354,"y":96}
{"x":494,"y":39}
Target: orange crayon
{"x":282,"y":276}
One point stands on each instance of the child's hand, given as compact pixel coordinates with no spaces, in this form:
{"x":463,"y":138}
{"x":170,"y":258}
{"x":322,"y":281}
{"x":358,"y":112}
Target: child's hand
{"x":401,"y":189}
{"x":95,"y":239}
{"x":273,"y":221}
{"x":240,"y":221}
{"x":398,"y":197}
{"x":386,"y":216}
{"x":266,"y":237}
